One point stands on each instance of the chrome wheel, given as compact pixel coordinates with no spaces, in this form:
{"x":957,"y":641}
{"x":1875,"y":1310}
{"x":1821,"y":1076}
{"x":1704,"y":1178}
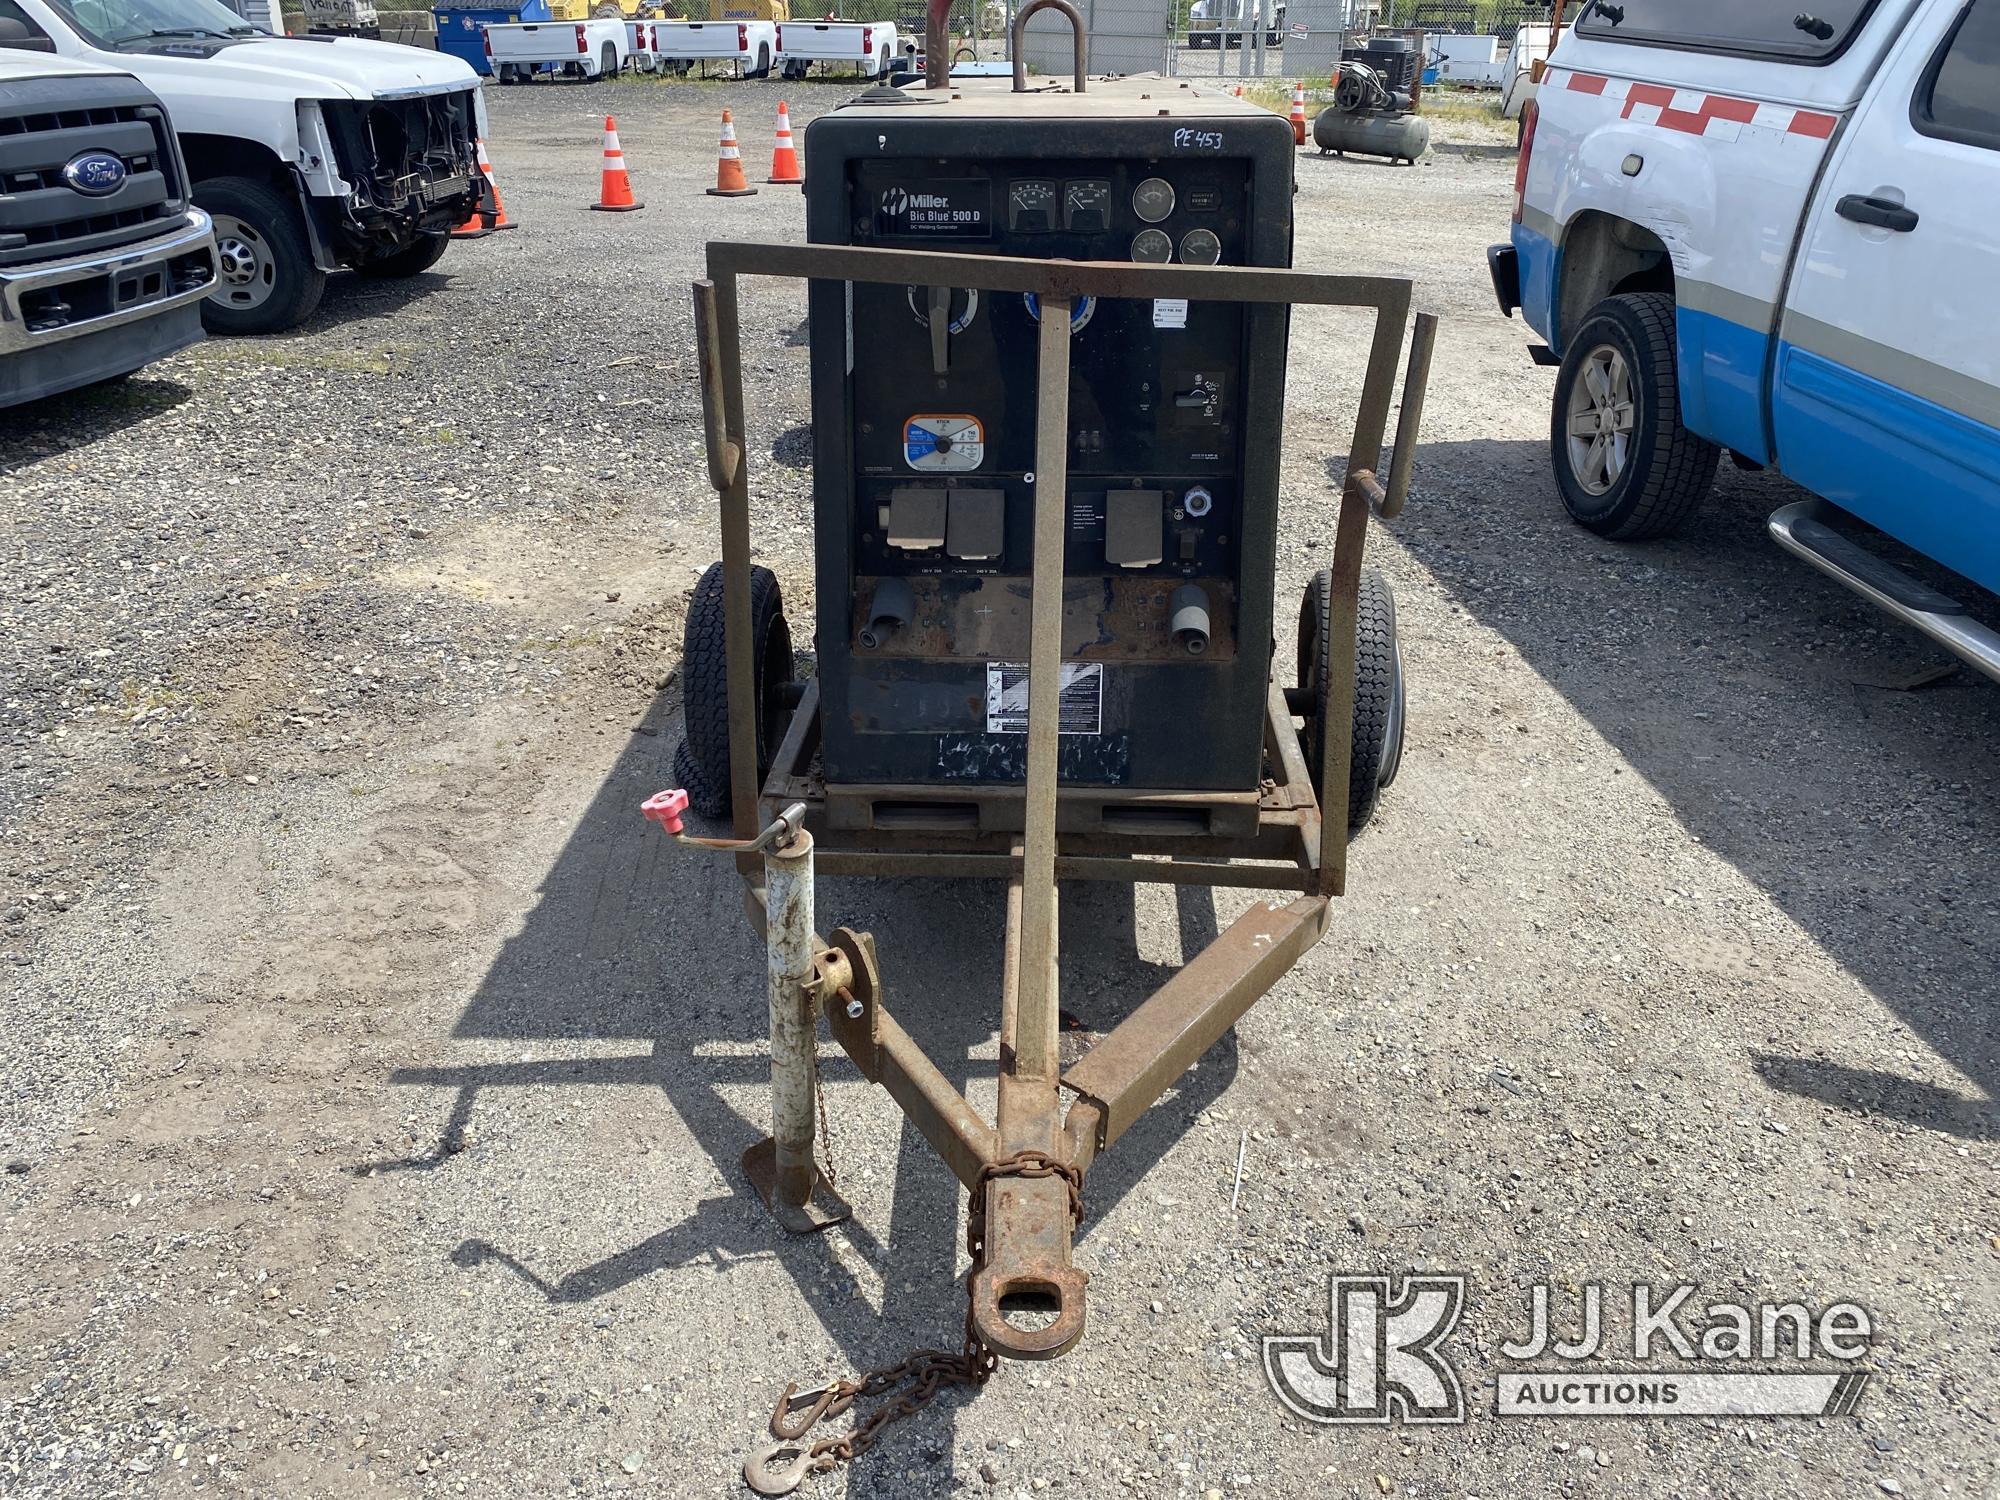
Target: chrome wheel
{"x":1601,"y":420}
{"x":249,"y":265}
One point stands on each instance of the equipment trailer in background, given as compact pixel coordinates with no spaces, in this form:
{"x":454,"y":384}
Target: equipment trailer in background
{"x":1046,"y":531}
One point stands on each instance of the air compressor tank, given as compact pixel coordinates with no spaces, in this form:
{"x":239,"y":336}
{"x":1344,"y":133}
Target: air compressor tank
{"x":1398,"y":137}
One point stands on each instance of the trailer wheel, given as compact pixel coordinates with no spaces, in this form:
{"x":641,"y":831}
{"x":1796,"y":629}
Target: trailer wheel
{"x":704,"y":759}
{"x":1378,"y":690}
{"x":1625,"y":466}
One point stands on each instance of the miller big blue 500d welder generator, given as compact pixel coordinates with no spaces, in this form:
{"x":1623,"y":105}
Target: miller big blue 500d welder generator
{"x":1048,"y":331}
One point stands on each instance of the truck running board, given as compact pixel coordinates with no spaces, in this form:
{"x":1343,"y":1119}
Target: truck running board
{"x":1799,"y":530}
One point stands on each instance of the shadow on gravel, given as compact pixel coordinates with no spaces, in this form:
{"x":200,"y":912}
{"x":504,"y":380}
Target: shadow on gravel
{"x":350,"y":298}
{"x":1867,"y":1091}
{"x":62,"y":424}
{"x":1747,"y":689}
{"x":636,"y":938}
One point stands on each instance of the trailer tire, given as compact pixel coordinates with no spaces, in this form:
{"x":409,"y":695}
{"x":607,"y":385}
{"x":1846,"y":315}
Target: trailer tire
{"x":703,"y":762}
{"x":1378,"y":690}
{"x":269,"y":282}
{"x":1650,"y":486}
{"x":412,"y":260}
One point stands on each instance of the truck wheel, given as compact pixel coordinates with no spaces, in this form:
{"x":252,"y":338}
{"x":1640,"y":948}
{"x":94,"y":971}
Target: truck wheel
{"x":607,"y":62}
{"x":1378,"y":690}
{"x":703,"y":762}
{"x":412,"y":260}
{"x":763,"y":61}
{"x":1626,"y":467}
{"x":268,"y":282}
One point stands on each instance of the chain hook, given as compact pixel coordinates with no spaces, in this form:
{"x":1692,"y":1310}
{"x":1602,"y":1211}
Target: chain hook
{"x":777,"y":1467}
{"x":829,"y":1400}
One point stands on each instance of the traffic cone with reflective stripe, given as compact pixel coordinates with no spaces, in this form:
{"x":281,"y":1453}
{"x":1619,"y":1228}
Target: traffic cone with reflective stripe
{"x":729,"y":179}
{"x":785,"y":156}
{"x":1298,"y":114}
{"x":616,"y":195}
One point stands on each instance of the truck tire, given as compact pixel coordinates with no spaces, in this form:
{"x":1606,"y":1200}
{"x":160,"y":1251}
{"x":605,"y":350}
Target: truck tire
{"x":1625,"y":466}
{"x":268,"y":281}
{"x":607,"y":62}
{"x":703,"y":760}
{"x":413,"y":259}
{"x":1378,"y":690}
{"x":763,"y":61}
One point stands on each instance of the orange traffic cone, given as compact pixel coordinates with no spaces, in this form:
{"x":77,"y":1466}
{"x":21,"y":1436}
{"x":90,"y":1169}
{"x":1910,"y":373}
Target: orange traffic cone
{"x":616,"y":195}
{"x":785,"y":156}
{"x":480,"y":221}
{"x":1298,"y":114}
{"x":1239,"y":91}
{"x":729,"y":179}
{"x":500,"y":219}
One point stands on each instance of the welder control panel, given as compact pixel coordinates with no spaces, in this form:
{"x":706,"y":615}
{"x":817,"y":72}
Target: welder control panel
{"x":1155,"y":391}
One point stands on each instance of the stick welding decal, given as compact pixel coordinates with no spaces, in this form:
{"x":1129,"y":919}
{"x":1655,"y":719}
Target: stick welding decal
{"x":1080,"y":708}
{"x":950,"y":444}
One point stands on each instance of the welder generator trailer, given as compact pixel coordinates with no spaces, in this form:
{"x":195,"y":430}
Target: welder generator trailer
{"x":1048,"y":331}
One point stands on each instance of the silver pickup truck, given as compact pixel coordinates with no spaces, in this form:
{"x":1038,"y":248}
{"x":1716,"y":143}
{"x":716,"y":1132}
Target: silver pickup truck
{"x":104,"y":259}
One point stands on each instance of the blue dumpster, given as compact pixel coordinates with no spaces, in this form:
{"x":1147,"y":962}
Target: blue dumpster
{"x":461,"y":31}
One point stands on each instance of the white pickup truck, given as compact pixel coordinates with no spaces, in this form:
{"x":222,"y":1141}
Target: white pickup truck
{"x":103,"y":256}
{"x":753,"y":45}
{"x":1776,"y":232}
{"x":587,"y":50}
{"x":870,"y":46}
{"x":309,"y":153}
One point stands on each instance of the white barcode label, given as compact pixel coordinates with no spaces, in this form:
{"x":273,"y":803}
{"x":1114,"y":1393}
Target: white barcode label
{"x":1080,"y":709}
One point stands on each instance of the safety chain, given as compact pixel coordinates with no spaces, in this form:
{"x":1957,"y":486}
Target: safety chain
{"x":825,"y":1134}
{"x":924,"y":1373}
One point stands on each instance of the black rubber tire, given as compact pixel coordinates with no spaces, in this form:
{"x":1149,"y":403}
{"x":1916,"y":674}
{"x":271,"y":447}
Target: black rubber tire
{"x":703,"y":763}
{"x":412,"y":260}
{"x":1379,"y":702}
{"x":763,"y":69}
{"x":607,"y":62}
{"x":1669,"y":470}
{"x":297,"y":283}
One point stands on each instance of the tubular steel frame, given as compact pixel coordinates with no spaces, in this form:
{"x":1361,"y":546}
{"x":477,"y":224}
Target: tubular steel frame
{"x":1029,"y":1218}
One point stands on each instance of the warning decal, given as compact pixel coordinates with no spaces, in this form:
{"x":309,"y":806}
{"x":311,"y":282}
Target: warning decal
{"x":1080,"y":709}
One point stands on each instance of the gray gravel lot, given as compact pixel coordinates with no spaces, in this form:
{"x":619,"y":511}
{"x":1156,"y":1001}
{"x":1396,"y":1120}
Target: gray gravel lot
{"x":375,"y":1084}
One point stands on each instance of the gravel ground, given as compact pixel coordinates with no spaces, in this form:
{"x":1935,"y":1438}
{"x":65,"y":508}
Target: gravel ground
{"x":375,"y":1085}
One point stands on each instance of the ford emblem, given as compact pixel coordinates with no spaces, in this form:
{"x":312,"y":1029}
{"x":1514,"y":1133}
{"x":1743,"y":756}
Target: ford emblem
{"x":96,"y":173}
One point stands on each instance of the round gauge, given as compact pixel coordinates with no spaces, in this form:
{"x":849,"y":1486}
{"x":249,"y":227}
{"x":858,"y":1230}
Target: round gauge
{"x":1153,"y":199}
{"x":1200,"y":247}
{"x":1153,"y":245}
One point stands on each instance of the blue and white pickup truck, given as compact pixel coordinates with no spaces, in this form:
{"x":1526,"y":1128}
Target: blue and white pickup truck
{"x":1775,"y":230}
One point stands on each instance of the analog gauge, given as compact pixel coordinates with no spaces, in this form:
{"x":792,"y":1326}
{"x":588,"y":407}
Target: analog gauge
{"x":1155,"y":246}
{"x":1153,"y":199}
{"x":1031,"y":205}
{"x":1087,"y":205}
{"x":1200,"y":247}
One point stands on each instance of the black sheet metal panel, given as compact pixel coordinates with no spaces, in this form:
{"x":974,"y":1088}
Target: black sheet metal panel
{"x":1173,"y":406}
